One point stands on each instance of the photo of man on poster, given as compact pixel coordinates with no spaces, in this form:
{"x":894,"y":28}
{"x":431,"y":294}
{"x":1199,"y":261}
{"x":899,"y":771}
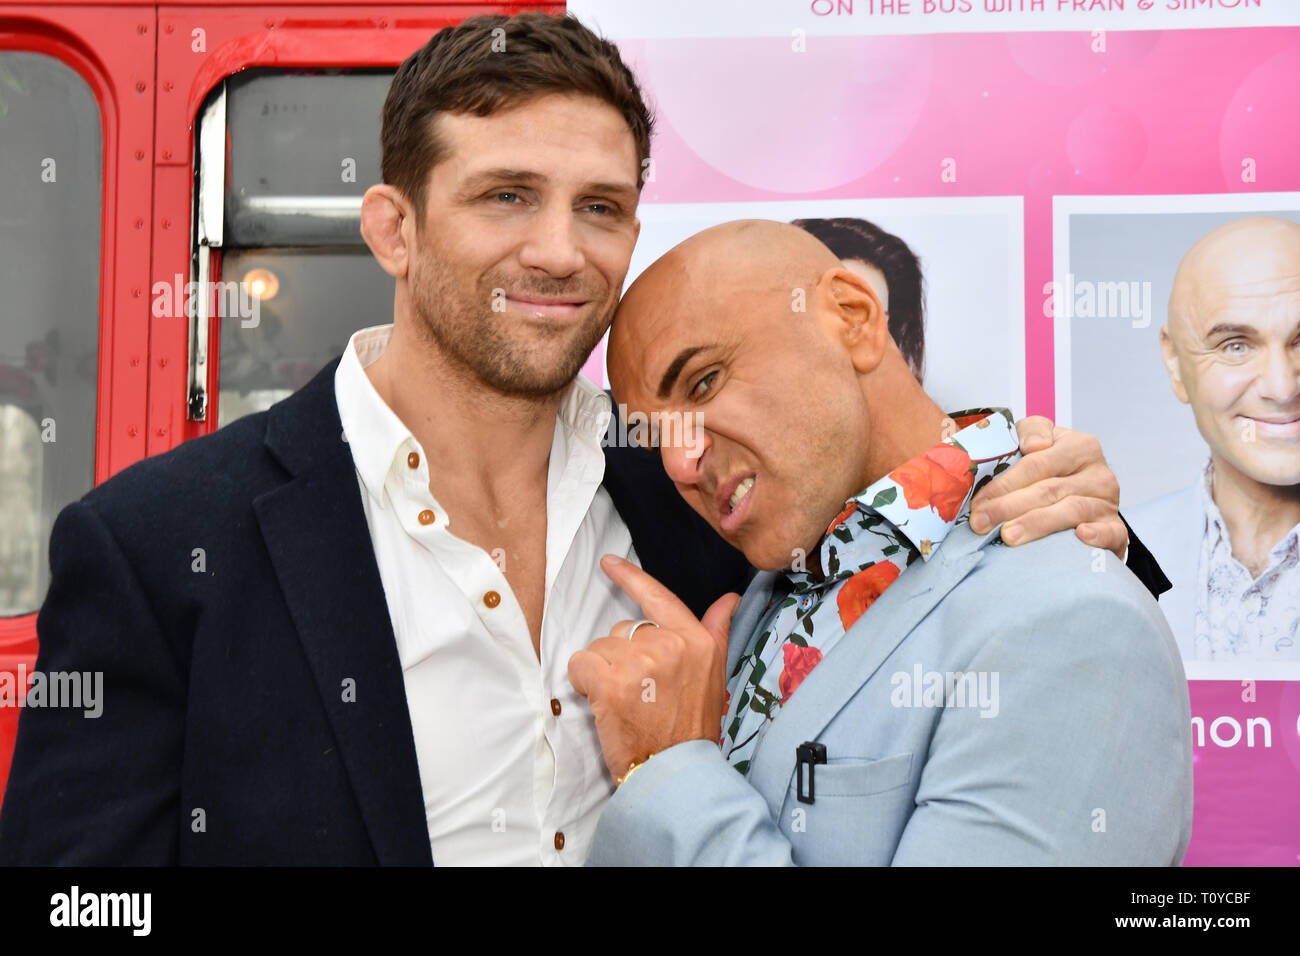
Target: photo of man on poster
{"x":1229,"y":541}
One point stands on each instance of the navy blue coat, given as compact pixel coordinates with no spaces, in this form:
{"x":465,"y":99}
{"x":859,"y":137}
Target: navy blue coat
{"x":223,"y":690}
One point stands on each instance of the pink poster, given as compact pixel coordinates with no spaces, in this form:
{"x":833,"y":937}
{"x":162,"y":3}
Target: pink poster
{"x":1064,"y":173}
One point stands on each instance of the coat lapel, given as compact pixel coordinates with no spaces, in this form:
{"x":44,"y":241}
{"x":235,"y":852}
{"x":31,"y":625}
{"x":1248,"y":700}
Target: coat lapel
{"x":316,"y":533}
{"x":749,"y":615}
{"x":857,"y":656}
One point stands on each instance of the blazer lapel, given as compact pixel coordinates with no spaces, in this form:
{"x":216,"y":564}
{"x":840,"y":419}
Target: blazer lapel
{"x":749,"y":615}
{"x":857,"y":656}
{"x":319,"y":543}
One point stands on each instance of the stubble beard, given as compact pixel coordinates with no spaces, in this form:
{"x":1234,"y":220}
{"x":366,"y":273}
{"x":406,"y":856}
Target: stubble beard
{"x":478,"y":339}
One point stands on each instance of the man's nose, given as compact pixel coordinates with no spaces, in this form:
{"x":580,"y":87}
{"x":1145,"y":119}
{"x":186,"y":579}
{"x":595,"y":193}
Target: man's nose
{"x":551,"y":243}
{"x":1279,"y":379}
{"x":683,"y":460}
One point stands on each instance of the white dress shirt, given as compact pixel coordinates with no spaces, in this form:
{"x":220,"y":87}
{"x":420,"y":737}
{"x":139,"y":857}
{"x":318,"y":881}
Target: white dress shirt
{"x":509,"y":760}
{"x":1239,"y":616}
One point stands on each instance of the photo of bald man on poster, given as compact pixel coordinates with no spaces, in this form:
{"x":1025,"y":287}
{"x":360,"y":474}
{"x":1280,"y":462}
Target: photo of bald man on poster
{"x":1228,"y":542}
{"x":1198,"y":404}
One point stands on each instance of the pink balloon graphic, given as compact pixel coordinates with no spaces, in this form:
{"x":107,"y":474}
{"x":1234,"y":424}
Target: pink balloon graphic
{"x":788,"y":121}
{"x":1079,"y":57}
{"x":1106,"y":143}
{"x":1262,"y":123}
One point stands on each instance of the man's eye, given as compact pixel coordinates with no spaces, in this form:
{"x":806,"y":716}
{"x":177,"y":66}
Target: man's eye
{"x":703,"y":386}
{"x":1236,"y":347}
{"x":600,"y":208}
{"x":505,"y":196}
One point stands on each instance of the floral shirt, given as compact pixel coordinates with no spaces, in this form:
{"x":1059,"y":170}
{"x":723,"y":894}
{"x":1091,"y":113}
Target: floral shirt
{"x":1239,"y":617}
{"x":900,"y":518}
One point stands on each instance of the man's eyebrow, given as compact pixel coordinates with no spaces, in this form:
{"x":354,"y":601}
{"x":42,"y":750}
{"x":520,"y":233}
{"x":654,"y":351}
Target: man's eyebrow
{"x":675,"y":368}
{"x":501,"y":173}
{"x":533,"y":178}
{"x":1230,"y":328}
{"x":627,"y":187}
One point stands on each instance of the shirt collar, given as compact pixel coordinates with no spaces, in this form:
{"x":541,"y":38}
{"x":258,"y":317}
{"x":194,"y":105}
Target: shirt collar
{"x":378,"y":437}
{"x":925,"y":497}
{"x":372,"y":430}
{"x":586,"y":410}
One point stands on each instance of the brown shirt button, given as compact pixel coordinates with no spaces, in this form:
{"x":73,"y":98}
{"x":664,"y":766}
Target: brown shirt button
{"x":492,"y":599}
{"x":426,"y":516}
{"x":555,"y":706}
{"x":559,"y":840}
{"x":413,"y":460}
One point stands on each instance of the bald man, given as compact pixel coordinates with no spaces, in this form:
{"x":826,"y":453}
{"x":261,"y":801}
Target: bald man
{"x":896,"y":688}
{"x":1229,"y":543}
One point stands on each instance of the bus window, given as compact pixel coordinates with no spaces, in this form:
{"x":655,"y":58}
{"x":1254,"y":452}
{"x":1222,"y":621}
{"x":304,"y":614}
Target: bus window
{"x":301,"y":150}
{"x":50,"y":194}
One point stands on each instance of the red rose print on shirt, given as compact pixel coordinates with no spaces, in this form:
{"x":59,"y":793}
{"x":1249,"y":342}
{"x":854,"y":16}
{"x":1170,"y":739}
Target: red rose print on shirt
{"x":799,"y":662}
{"x":940,"y":479}
{"x":965,"y":421}
{"x":860,"y":591}
{"x":842,"y":516}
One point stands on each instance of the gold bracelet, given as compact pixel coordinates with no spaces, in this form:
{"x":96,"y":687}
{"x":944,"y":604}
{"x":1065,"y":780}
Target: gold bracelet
{"x":632,"y":768}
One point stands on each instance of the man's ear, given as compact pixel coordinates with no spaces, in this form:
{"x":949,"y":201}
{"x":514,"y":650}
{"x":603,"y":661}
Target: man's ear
{"x":388,"y":228}
{"x":861,"y":323}
{"x":1171,"y":364}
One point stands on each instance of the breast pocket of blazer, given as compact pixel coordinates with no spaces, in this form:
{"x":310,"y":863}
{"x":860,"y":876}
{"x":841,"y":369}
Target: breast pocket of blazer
{"x":858,"y":813}
{"x":859,"y":777}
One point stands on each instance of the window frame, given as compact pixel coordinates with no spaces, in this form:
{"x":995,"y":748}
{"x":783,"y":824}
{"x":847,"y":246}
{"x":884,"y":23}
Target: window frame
{"x":113,"y":54}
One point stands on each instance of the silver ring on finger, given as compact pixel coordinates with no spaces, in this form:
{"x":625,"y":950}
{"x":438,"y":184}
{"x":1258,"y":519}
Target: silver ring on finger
{"x":632,"y":630}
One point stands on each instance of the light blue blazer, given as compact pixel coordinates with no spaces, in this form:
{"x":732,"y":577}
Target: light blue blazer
{"x":1085,"y":759}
